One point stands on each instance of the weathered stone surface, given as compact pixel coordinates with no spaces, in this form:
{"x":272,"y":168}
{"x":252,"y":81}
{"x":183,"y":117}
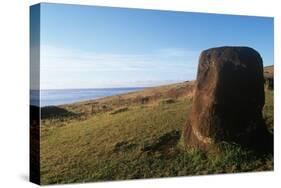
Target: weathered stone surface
{"x":228,"y":99}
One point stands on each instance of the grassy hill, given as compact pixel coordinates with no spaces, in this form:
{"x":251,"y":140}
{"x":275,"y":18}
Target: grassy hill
{"x":269,"y":71}
{"x":132,"y":136}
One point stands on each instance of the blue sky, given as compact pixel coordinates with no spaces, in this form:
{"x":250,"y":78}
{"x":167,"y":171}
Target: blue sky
{"x":100,"y":47}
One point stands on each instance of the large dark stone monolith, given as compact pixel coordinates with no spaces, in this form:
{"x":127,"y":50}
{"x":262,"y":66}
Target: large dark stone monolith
{"x":228,"y":99}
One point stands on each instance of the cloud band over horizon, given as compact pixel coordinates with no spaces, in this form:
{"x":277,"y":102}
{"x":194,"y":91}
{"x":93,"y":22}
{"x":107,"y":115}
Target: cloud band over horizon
{"x":60,"y":68}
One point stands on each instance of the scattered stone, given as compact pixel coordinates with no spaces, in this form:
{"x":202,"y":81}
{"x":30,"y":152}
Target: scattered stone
{"x":142,"y":99}
{"x":167,"y":101}
{"x":119,"y":110}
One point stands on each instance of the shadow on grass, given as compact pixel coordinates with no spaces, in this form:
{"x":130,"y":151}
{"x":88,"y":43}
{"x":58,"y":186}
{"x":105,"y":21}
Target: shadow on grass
{"x":53,"y":112}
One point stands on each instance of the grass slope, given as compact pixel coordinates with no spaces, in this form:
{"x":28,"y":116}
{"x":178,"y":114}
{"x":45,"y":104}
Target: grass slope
{"x":132,"y":136}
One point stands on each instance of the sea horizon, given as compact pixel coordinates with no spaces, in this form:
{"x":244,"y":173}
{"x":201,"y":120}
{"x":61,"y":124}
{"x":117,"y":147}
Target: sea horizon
{"x":54,"y":97}
{"x":87,"y":88}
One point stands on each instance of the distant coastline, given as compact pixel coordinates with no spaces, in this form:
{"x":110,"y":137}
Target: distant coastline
{"x":54,"y":97}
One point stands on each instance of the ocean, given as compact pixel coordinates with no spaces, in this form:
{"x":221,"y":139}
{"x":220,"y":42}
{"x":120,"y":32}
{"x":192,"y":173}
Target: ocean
{"x":67,"y":96}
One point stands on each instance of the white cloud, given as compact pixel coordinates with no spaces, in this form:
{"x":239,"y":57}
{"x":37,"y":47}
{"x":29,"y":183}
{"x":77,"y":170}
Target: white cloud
{"x":72,"y":68}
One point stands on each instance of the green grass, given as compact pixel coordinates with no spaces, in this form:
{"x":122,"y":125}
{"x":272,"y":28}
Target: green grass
{"x":112,"y":146}
{"x":268,"y":109}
